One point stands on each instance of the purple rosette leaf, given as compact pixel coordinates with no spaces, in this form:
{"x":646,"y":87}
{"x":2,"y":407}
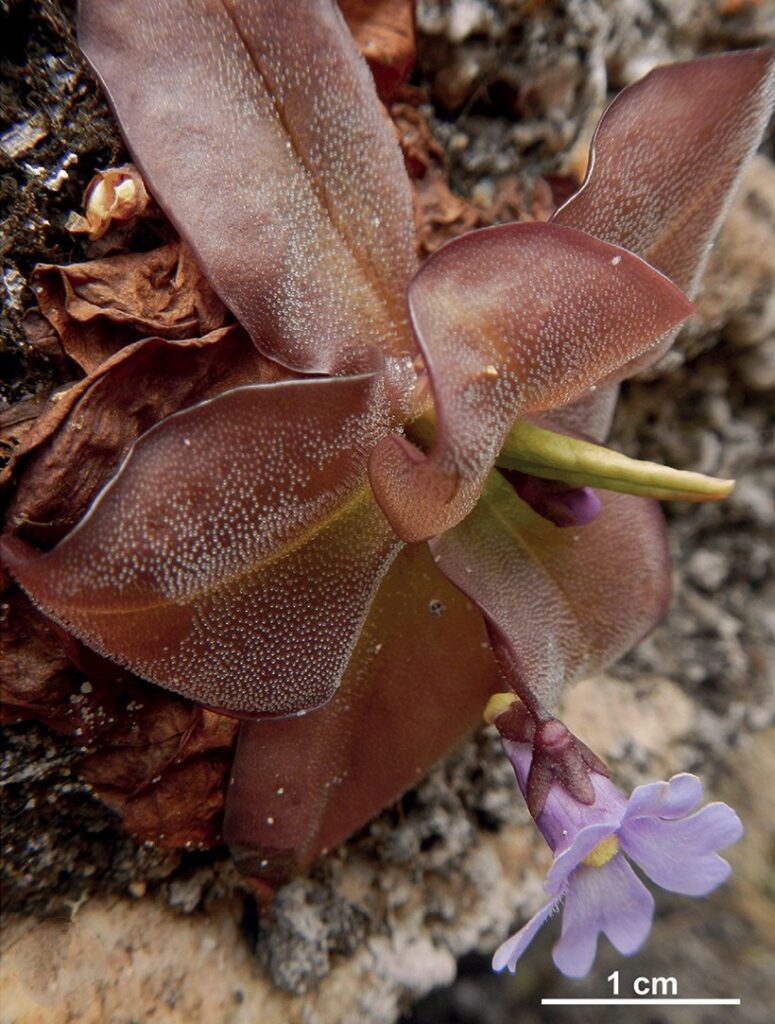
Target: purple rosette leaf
{"x":193,"y":566}
{"x":601,"y":586}
{"x":664,"y":166}
{"x":511,"y":320}
{"x":665,"y":161}
{"x":259,"y":132}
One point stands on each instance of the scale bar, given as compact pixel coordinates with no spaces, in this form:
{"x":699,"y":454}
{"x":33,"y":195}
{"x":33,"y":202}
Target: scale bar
{"x":638,"y":1002}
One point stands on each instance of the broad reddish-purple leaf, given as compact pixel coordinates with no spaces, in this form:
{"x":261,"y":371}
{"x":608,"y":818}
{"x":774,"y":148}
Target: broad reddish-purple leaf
{"x":590,"y":415}
{"x":666,"y":160}
{"x":512,"y":320}
{"x":664,"y":165}
{"x":77,"y":445}
{"x":561,"y":603}
{"x":667,"y":157}
{"x":416,"y":685}
{"x":234,"y":556}
{"x":258,"y":130}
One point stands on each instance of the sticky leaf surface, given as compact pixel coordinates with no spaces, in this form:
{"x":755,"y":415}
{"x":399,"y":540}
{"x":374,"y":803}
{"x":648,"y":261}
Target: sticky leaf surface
{"x":667,"y":156}
{"x":512,"y":320}
{"x":258,"y":130}
{"x":416,"y":685}
{"x":77,"y":445}
{"x":564,"y":602}
{"x":666,"y":160}
{"x":234,"y":557}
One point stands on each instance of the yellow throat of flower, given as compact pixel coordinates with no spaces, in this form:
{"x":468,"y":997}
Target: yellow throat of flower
{"x":602,"y":853}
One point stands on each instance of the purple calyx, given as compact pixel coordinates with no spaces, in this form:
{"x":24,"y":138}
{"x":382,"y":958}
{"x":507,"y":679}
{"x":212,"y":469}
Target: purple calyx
{"x":556,"y":756}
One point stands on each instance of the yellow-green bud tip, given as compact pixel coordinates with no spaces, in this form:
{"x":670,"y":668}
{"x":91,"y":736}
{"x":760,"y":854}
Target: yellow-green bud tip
{"x":497,"y":704}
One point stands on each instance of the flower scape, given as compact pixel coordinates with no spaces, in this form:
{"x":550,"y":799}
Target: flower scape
{"x":360,"y":478}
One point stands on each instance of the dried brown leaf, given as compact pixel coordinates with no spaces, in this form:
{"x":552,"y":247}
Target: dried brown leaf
{"x":439,"y":213}
{"x":165,"y":771}
{"x":156,"y":760}
{"x":36,"y":674}
{"x":384,"y":32}
{"x":97,"y":308}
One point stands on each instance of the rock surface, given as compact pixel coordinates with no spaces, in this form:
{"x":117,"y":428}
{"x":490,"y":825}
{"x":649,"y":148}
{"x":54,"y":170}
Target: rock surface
{"x":377,"y":926}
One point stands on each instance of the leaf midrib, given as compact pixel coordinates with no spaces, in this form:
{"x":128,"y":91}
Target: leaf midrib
{"x":385,"y":295}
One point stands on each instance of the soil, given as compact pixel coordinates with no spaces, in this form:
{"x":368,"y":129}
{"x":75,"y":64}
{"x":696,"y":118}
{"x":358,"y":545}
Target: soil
{"x":513,"y":88}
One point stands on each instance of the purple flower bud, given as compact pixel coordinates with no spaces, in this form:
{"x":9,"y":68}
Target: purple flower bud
{"x":560,"y":503}
{"x":658,"y":828}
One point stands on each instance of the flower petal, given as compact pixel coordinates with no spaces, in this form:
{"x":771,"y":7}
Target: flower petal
{"x":560,"y":503}
{"x":673,"y":799}
{"x":610,"y":899}
{"x":507,"y":954}
{"x":511,"y":320}
{"x":583,"y":843}
{"x":234,"y":556}
{"x":680,"y":855}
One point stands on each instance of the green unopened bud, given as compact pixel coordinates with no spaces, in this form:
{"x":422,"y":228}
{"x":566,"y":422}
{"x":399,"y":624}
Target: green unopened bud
{"x":553,"y":456}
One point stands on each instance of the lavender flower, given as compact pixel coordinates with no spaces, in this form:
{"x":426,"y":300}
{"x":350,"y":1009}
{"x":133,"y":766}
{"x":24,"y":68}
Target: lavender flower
{"x":658,"y":828}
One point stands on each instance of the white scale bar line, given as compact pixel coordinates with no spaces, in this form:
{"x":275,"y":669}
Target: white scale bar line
{"x":638,"y":1002}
